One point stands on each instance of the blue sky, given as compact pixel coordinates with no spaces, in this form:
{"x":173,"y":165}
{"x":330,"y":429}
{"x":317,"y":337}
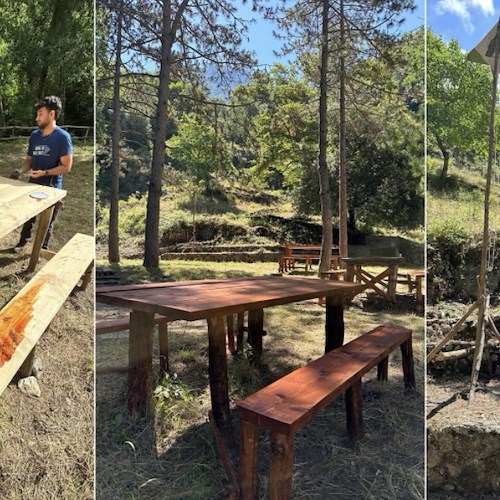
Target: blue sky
{"x":262,"y":42}
{"x":468,"y":21}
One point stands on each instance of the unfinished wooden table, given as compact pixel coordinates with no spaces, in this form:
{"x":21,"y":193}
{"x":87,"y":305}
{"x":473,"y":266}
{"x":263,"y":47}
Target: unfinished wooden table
{"x":355,"y":269}
{"x":19,"y":202}
{"x":213,"y":300}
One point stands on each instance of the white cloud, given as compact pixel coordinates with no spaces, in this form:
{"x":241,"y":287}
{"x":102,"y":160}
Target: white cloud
{"x":463,"y":8}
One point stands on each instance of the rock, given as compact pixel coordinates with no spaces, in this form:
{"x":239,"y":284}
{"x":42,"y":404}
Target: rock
{"x":29,"y":386}
{"x":37,"y":368}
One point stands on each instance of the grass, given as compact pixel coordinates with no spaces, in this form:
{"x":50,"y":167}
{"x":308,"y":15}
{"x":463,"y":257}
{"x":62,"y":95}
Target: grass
{"x":47,"y":443}
{"x":174,"y":456}
{"x":461,"y":204}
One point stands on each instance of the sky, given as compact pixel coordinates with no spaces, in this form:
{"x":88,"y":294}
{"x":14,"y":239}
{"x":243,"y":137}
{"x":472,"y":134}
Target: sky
{"x":468,"y":21}
{"x":263,"y":43}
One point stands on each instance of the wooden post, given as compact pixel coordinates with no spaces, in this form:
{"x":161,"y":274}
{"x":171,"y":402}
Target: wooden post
{"x":256,"y":330}
{"x":392,"y":283}
{"x":334,"y":327}
{"x":87,"y":277}
{"x":27,"y":367}
{"x":230,"y":332}
{"x":354,"y":414}
{"x":241,"y":332}
{"x":482,"y":314}
{"x":419,"y":298}
{"x":248,"y":472}
{"x":163,"y":343}
{"x":140,"y":355}
{"x":383,"y":369}
{"x":217,"y":371}
{"x":41,"y":232}
{"x":279,"y":486}
{"x":408,"y":369}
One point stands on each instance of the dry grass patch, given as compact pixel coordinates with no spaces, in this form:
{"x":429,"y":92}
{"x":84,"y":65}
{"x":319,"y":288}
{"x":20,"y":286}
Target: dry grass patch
{"x":174,"y":455}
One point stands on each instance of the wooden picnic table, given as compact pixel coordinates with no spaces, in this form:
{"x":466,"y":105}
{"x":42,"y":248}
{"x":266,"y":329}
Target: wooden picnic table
{"x":19,"y":202}
{"x":212,"y":300}
{"x":356,"y":268}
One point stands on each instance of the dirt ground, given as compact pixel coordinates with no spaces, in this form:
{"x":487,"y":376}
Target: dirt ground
{"x":463,"y":436}
{"x":174,"y":455}
{"x":46,"y":443}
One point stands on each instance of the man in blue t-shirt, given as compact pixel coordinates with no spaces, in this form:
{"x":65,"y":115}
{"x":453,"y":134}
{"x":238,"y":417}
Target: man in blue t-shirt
{"x":50,"y":155}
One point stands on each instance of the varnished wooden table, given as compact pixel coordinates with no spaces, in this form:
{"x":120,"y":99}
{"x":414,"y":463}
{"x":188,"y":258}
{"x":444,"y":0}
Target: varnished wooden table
{"x":213,"y":300}
{"x":17,"y":205}
{"x":354,"y":269}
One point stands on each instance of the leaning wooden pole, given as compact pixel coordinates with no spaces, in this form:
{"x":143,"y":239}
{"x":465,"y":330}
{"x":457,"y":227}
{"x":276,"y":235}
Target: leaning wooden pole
{"x":482,"y":292}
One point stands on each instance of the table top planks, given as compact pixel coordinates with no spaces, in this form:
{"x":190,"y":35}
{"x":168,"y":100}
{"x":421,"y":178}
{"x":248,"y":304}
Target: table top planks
{"x":16,"y":205}
{"x":193,"y":300}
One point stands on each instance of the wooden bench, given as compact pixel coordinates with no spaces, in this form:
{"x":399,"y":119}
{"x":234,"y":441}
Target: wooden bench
{"x":26,"y":317}
{"x":306,"y":253}
{"x":414,"y":281}
{"x":288,"y":404}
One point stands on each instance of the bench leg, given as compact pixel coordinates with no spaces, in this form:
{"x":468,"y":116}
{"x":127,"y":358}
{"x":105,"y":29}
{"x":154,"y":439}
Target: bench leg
{"x":217,"y":372}
{"x":383,"y":369}
{"x":256,"y":331}
{"x":87,"y":277}
{"x":248,"y":475}
{"x":408,"y":369}
{"x":41,"y":232}
{"x":353,"y":400}
{"x":334,"y":328}
{"x":279,"y":486}
{"x":241,"y":332}
{"x":140,"y":355}
{"x":163,"y":343}
{"x":230,"y":332}
{"x":27,"y":367}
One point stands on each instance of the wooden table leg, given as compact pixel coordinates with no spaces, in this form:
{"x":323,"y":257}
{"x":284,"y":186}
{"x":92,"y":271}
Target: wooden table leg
{"x":256,"y":331}
{"x":230,"y":333}
{"x":41,"y":232}
{"x":217,"y":372}
{"x":334,"y":326}
{"x":241,"y":331}
{"x":140,"y":355}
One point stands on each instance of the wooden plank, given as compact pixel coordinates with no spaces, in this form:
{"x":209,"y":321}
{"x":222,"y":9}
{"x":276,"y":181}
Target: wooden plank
{"x":16,"y":206}
{"x":203,"y":301}
{"x":41,"y":232}
{"x":120,"y":324}
{"x":29,"y":313}
{"x":372,"y":261}
{"x":287,"y":404}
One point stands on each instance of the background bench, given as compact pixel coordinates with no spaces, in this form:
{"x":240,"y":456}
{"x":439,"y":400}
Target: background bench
{"x":293,"y":253}
{"x":24,"y":319}
{"x":288,"y":404}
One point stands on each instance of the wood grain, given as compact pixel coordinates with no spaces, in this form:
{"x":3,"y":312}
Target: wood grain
{"x":287,"y":404}
{"x":16,"y":206}
{"x":33,"y":308}
{"x":204,"y":299}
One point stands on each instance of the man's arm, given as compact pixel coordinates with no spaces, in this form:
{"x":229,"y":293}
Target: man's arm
{"x":63,"y":168}
{"x":25,"y":167}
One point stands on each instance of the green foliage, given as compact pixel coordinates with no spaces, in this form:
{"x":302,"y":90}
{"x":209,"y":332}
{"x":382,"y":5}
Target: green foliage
{"x":170,"y":393}
{"x":458,"y":97}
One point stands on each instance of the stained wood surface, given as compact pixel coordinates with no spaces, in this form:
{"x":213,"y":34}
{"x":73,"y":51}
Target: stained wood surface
{"x":290,"y":402}
{"x":29,"y":313}
{"x":202,"y":299}
{"x":16,"y":205}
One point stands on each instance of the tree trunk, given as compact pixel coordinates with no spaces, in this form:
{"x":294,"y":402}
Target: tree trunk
{"x":152,"y":240}
{"x":324,"y":181}
{"x":2,"y":115}
{"x":343,"y":249}
{"x":113,"y":239}
{"x":446,"y":161}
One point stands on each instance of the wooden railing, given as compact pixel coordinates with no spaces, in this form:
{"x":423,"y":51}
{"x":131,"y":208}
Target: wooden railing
{"x":13,"y":132}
